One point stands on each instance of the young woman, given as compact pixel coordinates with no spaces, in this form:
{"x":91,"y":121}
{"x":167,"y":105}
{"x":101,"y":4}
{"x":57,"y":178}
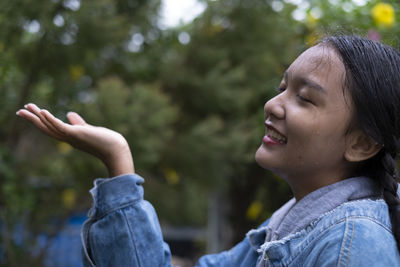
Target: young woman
{"x":332,"y":133}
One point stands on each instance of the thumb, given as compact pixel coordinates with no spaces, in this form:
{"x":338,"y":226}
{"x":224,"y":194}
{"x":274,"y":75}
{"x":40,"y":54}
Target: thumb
{"x":74,"y":118}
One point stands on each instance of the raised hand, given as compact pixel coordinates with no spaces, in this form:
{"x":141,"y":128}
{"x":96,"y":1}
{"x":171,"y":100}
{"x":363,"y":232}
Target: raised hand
{"x":105,"y":144}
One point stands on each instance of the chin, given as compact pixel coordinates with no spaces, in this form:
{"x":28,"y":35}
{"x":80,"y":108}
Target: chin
{"x":261,"y":159}
{"x":267,"y":161}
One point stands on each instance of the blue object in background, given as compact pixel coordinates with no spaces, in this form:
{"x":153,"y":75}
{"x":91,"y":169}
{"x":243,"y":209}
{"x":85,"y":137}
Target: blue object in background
{"x":65,"y":247}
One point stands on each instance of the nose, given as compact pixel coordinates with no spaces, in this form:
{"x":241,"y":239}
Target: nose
{"x":275,"y":108}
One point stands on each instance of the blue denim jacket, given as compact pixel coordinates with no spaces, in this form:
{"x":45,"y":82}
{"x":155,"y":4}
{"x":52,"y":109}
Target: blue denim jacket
{"x":123,"y":230}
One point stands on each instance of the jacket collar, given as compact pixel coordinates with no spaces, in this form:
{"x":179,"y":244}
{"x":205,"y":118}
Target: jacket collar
{"x":295,"y":216}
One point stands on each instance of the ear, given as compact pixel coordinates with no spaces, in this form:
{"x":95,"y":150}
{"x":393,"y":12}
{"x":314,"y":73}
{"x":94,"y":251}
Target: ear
{"x":360,"y":147}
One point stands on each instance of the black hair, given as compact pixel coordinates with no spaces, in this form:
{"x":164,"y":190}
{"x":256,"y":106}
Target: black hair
{"x":373,"y":81}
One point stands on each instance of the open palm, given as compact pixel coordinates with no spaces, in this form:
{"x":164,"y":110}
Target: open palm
{"x":105,"y":144}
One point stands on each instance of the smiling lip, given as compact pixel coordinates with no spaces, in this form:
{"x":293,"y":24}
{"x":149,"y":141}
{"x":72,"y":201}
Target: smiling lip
{"x":273,"y":136}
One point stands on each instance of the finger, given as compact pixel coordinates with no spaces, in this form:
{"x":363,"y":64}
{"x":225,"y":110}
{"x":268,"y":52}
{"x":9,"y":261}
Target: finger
{"x":32,"y":108}
{"x":74,"y":118}
{"x":35,"y":120}
{"x":48,"y":121}
{"x":36,"y":110}
{"x":56,"y":123}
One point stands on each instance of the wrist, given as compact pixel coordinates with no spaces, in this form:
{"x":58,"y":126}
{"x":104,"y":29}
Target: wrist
{"x":120,"y":162}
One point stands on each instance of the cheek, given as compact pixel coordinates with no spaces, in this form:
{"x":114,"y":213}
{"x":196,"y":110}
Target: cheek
{"x":317,"y":134}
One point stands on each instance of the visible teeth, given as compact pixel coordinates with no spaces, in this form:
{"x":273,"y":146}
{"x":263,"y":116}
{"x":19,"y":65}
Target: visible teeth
{"x":275,"y":135}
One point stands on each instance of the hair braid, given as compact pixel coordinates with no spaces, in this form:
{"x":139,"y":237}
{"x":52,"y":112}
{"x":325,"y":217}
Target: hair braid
{"x":389,"y":183}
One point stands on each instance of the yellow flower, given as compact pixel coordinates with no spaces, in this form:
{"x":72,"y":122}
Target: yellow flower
{"x":64,"y":148}
{"x":383,"y":14}
{"x":312,"y":39}
{"x":214,"y":29}
{"x":254,"y":210}
{"x":68,"y":198}
{"x":311,"y":20}
{"x":76,"y":72}
{"x":171,"y":176}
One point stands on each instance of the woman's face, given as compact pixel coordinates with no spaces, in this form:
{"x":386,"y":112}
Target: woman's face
{"x":306,"y":122}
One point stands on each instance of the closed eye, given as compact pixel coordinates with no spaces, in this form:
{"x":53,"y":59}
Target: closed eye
{"x":301,"y":98}
{"x":280,"y":89}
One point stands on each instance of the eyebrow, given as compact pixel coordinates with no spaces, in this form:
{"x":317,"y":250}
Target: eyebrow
{"x":307,"y":82}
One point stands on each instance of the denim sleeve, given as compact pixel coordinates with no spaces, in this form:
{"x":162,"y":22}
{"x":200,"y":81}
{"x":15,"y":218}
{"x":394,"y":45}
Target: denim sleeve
{"x":122,"y":228}
{"x":241,"y":255}
{"x":244,"y":254}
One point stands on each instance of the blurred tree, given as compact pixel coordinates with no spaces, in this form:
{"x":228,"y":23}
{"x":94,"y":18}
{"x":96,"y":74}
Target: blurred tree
{"x":54,"y":53}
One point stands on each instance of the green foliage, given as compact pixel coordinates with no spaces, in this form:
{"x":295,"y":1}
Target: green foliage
{"x":142,"y":113}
